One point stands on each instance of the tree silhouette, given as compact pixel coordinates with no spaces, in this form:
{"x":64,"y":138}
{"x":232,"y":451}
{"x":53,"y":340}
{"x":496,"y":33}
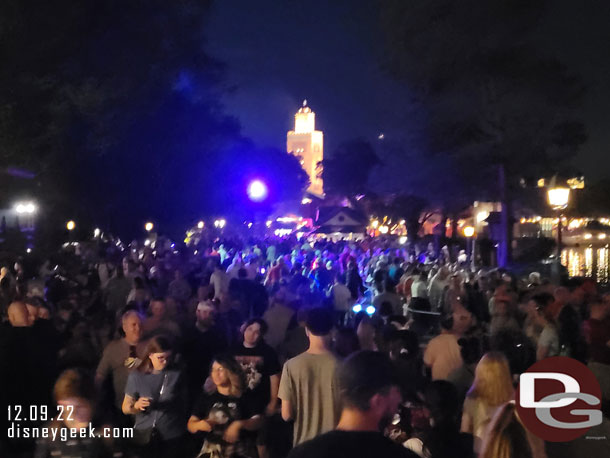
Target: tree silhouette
{"x":488,"y":98}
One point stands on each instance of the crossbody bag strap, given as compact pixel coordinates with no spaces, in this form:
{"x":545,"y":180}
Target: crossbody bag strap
{"x":160,"y":394}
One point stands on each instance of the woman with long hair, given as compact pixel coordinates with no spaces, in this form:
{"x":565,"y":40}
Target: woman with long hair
{"x":155,"y":393}
{"x":492,"y":387}
{"x":507,"y":437}
{"x":222,"y":415}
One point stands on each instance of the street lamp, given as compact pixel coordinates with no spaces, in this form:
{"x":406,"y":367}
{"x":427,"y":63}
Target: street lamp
{"x":25,"y":207}
{"x":200,"y":225}
{"x":469,"y":233}
{"x":559,"y":196}
{"x":220,"y":223}
{"x":70,"y":225}
{"x":149,"y":226}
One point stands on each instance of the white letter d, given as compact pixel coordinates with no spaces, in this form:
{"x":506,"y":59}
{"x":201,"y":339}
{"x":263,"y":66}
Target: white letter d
{"x":527,"y":389}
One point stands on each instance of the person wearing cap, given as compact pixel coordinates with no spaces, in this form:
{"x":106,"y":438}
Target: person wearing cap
{"x":371,"y":395}
{"x":201,"y":343}
{"x":308,"y":387}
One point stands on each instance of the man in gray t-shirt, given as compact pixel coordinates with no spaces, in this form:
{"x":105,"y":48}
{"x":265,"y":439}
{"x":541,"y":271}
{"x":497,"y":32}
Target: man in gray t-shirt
{"x":308,"y":388}
{"x":121,"y":356}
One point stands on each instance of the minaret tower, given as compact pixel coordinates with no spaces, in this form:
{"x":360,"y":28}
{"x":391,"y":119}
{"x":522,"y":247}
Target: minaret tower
{"x":307,"y":144}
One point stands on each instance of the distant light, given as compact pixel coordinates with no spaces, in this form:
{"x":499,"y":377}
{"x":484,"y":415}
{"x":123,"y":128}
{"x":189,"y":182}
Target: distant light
{"x":601,"y":236}
{"x":70,"y":225}
{"x":249,"y":225}
{"x":268,"y":223}
{"x":384,"y":229}
{"x":200,"y":225}
{"x":375,"y":224}
{"x":381,"y":136}
{"x":29,"y":250}
{"x":588,"y":236}
{"x":357,"y":308}
{"x":469,"y":231}
{"x":96,"y":232}
{"x":263,"y":270}
{"x":370,"y":310}
{"x":282,"y":232}
{"x":306,"y":200}
{"x":25,"y":207}
{"x":149,"y":226}
{"x":288,"y":219}
{"x":173,"y":245}
{"x":482,"y":216}
{"x":257,"y":191}
{"x":559,"y":197}
{"x":220,"y":223}
{"x":402,"y":240}
{"x":147,"y":242}
{"x":576,"y":183}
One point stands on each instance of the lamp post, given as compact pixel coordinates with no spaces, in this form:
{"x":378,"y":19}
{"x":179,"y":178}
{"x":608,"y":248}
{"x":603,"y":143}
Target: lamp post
{"x":559,"y":196}
{"x":149,"y":226}
{"x":469,"y":233}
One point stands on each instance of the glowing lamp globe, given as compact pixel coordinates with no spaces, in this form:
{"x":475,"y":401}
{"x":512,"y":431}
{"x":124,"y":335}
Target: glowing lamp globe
{"x":70,"y":225}
{"x":257,"y":191}
{"x":149,"y":226}
{"x":559,"y":197}
{"x":469,"y":231}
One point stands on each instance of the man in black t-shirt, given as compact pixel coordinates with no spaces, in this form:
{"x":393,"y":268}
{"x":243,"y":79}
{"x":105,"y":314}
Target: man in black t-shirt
{"x":370,"y":396}
{"x":260,"y":365}
{"x":201,"y":343}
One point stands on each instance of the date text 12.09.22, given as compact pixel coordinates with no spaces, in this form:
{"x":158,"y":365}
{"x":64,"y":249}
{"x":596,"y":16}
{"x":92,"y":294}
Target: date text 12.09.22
{"x":42,"y":413}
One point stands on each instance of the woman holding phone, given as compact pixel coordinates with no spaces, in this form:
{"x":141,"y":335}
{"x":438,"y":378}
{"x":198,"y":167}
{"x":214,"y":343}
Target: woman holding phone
{"x":156,"y":395}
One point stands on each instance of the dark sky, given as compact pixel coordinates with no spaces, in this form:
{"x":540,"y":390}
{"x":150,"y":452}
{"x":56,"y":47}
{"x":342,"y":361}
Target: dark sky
{"x":279,"y":52}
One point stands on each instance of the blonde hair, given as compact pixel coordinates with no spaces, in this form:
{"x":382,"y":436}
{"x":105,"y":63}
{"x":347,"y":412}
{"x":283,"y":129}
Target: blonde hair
{"x":506,"y":437}
{"x":492,"y":380}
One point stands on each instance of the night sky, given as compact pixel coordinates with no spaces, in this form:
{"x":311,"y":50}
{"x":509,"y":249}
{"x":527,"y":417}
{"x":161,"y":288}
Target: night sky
{"x":279,"y":52}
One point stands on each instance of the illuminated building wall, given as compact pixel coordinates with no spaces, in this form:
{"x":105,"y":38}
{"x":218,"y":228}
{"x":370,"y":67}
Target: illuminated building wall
{"x":307,"y":144}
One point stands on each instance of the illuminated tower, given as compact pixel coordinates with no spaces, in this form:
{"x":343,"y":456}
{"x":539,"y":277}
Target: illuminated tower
{"x":307,"y":144}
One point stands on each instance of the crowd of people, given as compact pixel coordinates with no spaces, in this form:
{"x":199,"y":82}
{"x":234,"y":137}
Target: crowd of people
{"x":284,"y":348}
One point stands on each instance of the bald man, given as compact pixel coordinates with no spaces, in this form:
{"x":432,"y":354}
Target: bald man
{"x":122,"y":355}
{"x":18,"y":315}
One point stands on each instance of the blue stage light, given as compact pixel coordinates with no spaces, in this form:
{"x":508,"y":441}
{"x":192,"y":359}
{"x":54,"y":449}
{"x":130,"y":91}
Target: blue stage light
{"x":257,"y":191}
